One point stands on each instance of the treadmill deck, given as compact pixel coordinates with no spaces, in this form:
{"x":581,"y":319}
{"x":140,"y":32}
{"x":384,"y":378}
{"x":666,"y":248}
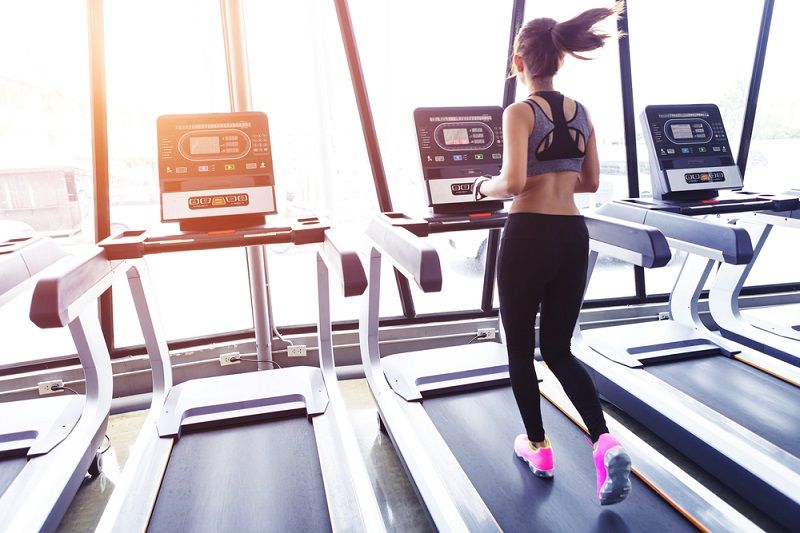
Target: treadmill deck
{"x":263,"y":476}
{"x":762,"y":403}
{"x":480,"y":428}
{"x":9,"y":470}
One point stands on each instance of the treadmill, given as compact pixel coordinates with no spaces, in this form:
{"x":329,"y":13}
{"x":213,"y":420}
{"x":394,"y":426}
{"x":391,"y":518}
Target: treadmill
{"x":772,"y":330}
{"x":47,"y":445}
{"x":271,"y":450}
{"x":731,"y":410}
{"x":450,"y":412}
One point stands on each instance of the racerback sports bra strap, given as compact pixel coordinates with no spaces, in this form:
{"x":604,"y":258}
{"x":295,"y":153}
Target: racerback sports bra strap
{"x":558,"y":144}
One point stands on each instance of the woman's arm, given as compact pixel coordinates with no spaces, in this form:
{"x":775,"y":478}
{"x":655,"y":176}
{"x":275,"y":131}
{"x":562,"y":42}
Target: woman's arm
{"x":517,"y":125}
{"x":589,"y":178}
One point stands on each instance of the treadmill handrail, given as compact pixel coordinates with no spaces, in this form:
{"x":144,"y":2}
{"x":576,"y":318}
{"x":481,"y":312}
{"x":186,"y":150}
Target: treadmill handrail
{"x":344,"y":262}
{"x":63,"y":293}
{"x":22,"y":259}
{"x":647,"y":242}
{"x":715,"y":241}
{"x":411,"y":255}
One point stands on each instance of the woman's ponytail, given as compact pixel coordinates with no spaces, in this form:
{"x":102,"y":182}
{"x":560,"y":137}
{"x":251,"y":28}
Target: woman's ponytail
{"x":543,"y":42}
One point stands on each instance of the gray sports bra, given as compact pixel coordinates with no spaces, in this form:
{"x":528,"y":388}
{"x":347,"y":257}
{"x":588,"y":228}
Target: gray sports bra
{"x":559,"y":151}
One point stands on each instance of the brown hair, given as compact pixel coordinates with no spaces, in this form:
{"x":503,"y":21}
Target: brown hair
{"x":543,"y":42}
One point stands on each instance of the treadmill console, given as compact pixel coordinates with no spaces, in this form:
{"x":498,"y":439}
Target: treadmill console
{"x":456,"y":145}
{"x":215,"y":170}
{"x":690,"y":157}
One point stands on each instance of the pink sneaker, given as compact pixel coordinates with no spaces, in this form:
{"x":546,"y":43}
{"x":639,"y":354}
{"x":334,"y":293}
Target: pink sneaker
{"x":540,"y":460}
{"x":613,"y":466}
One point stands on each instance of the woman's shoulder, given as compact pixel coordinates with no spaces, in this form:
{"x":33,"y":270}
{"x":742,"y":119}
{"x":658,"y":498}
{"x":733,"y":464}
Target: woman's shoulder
{"x":522,"y":110}
{"x":579,"y":107}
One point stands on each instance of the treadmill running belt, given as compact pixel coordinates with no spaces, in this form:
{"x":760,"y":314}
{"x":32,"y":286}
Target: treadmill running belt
{"x":480,"y":428}
{"x":762,"y":403}
{"x":9,"y":470}
{"x":256,"y":477}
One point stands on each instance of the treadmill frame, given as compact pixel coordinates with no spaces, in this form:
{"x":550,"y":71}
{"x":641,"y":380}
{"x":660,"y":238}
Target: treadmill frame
{"x":762,"y":472}
{"x":774,"y":339}
{"x":449,"y":496}
{"x":351,"y":502}
{"x":40,"y":495}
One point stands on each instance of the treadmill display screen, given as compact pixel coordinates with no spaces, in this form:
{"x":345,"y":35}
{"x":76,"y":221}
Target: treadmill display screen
{"x":214,"y":165}
{"x":689,"y":152}
{"x":682,"y":131}
{"x":456,"y":145}
{"x":458,"y":142}
{"x":204,"y":145}
{"x":455,"y":136}
{"x":691,"y":136}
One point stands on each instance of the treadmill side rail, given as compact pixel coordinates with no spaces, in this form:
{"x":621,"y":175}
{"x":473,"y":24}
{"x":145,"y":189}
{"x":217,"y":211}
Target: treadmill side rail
{"x":451,"y":500}
{"x":714,"y":241}
{"x":21,"y":260}
{"x":351,"y":499}
{"x":409,"y":254}
{"x":642,"y":245}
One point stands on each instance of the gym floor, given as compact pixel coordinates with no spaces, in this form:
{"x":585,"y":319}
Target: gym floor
{"x":396,"y":497}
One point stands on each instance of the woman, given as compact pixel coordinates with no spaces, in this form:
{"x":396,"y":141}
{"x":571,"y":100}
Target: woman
{"x":543,"y":255}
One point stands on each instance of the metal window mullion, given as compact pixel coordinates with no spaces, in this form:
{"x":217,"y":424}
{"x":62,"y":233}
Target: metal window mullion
{"x":100,"y":173}
{"x":755,"y":86}
{"x":629,"y":125}
{"x":370,"y":135}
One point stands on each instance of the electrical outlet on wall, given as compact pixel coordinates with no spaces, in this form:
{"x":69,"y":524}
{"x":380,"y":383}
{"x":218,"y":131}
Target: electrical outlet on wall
{"x":296,"y":350}
{"x":53,"y":386}
{"x":486,"y":333}
{"x":229,"y":358}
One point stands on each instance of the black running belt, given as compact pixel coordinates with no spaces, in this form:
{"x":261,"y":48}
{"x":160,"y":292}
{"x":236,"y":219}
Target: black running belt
{"x":9,"y":470}
{"x":257,"y":477}
{"x":762,"y":403}
{"x":480,"y":428}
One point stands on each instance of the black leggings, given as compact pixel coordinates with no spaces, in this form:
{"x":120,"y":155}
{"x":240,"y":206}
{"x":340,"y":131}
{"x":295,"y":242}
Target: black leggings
{"x":543,"y":260}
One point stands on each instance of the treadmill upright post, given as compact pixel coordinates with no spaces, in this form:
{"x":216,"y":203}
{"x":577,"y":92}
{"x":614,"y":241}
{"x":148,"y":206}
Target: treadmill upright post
{"x":36,"y":501}
{"x":348,"y":480}
{"x":684,"y":300}
{"x":780,"y":340}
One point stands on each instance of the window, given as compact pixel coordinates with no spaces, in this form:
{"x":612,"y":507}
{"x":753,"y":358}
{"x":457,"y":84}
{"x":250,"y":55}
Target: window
{"x":167,"y":58}
{"x":772,"y":162}
{"x":45,"y":150}
{"x":299,"y":78}
{"x":703,"y":58}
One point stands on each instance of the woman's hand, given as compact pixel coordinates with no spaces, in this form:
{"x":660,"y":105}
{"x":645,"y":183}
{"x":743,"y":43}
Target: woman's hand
{"x":476,"y":187}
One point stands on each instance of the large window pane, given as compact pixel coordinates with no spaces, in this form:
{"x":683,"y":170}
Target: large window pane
{"x":299,"y":78}
{"x":772,"y":161}
{"x":445,"y":68}
{"x":671,"y":66}
{"x":178,"y":68}
{"x":45,"y":149}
